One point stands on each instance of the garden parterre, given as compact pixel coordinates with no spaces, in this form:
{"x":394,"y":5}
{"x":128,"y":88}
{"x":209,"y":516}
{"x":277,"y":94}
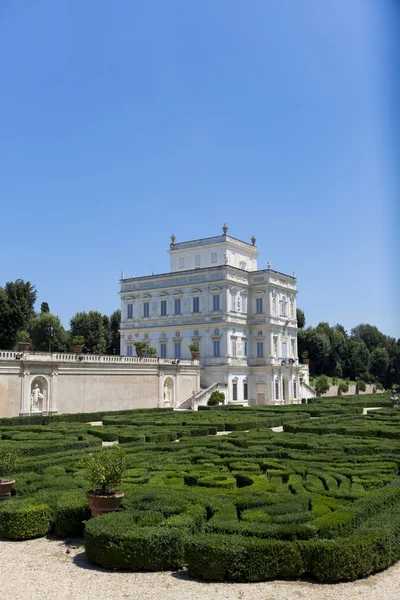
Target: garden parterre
{"x":322,"y":498}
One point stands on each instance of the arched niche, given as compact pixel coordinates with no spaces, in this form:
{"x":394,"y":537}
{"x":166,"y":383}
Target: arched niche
{"x":168,"y":392}
{"x":39,"y":394}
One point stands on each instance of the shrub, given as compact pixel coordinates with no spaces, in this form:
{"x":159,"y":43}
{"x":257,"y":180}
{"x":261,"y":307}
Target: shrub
{"x":361,"y":386}
{"x":215,"y":398}
{"x":344,"y":387}
{"x":22,"y":520}
{"x":8,"y":459}
{"x":322,"y":385}
{"x":114,"y":541}
{"x":70,"y":512}
{"x":106,"y":469}
{"x":78,"y":340}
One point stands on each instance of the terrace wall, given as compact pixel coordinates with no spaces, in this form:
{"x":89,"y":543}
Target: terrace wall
{"x":70,"y":383}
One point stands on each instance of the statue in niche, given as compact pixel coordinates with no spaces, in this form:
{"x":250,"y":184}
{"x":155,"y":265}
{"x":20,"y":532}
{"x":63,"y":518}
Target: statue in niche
{"x":36,"y":395}
{"x":274,"y":306}
{"x":226,"y":257}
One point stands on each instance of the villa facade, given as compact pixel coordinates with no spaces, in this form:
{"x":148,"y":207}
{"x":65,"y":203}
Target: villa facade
{"x":242,"y":318}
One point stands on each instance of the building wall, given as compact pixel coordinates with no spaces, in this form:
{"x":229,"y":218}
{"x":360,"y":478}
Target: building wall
{"x":88,"y":383}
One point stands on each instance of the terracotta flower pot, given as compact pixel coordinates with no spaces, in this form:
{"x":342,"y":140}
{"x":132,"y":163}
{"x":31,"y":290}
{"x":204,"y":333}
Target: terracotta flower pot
{"x":6,"y":486}
{"x":24,"y":346}
{"x":306,"y":361}
{"x":77,"y":349}
{"x":101,"y":503}
{"x":195,"y":355}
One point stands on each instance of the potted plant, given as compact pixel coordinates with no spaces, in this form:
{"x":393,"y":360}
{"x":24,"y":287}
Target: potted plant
{"x":24,"y":340}
{"x":105,"y":472}
{"x":151,"y":351}
{"x":140,"y":348}
{"x":305,"y":358}
{"x":7,"y":466}
{"x":194,"y":349}
{"x":77,"y":344}
{"x":216,"y":398}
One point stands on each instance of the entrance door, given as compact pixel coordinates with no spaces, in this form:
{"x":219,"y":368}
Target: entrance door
{"x":260,"y":399}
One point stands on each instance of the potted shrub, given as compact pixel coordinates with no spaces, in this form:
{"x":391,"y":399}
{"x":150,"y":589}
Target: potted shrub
{"x":194,"y":349}
{"x":151,"y":351}
{"x":140,"y":348}
{"x":105,"y":472}
{"x":305,"y":358}
{"x":77,"y":344}
{"x":216,"y":398}
{"x":24,"y":340}
{"x":7,"y":466}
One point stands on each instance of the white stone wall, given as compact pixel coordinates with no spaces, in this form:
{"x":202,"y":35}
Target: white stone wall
{"x":88,"y":383}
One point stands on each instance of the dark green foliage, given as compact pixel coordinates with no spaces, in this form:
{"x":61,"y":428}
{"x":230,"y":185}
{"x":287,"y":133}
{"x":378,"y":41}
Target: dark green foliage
{"x":70,"y":512}
{"x":22,"y":520}
{"x":115,"y":542}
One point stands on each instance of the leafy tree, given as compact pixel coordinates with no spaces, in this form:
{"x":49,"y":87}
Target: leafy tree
{"x":341,"y":329}
{"x":357,"y":363}
{"x":91,"y":326}
{"x":361,"y":386}
{"x":48,"y":333}
{"x":317,"y":345}
{"x":322,"y":385}
{"x":114,"y":325}
{"x":338,"y":371}
{"x":301,"y":319}
{"x":44,"y":308}
{"x":379,"y":363}
{"x":369,"y":334}
{"x":343,"y":387}
{"x":17,"y":300}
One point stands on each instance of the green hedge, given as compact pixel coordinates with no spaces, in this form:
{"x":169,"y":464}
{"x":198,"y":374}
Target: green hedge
{"x":21,"y":520}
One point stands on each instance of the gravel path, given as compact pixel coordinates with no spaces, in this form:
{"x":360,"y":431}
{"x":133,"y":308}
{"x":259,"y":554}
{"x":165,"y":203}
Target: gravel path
{"x":42,"y":570}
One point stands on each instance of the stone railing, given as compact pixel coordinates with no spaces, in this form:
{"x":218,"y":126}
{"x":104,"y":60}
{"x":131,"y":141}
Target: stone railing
{"x":71,"y":357}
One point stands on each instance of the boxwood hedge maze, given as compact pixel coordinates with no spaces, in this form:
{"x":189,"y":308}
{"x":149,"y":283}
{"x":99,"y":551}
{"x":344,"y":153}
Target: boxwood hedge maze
{"x":319,"y":499}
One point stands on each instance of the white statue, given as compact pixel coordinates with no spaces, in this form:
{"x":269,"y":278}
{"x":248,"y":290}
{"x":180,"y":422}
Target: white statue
{"x":36,"y":395}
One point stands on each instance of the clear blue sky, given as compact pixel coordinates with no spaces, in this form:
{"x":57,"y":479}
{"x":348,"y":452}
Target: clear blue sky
{"x":123,"y":122}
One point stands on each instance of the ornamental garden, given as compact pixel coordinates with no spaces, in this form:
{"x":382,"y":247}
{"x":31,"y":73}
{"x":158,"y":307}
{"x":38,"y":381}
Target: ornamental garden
{"x":303,"y":490}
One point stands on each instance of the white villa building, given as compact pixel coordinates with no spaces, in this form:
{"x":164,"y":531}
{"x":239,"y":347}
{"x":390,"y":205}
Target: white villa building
{"x":242,"y":318}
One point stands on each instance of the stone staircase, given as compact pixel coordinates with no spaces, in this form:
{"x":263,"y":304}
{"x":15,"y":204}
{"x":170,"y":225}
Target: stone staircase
{"x":200,"y":398}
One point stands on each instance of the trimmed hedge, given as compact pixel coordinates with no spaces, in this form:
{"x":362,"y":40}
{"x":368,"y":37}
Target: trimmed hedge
{"x":21,"y":520}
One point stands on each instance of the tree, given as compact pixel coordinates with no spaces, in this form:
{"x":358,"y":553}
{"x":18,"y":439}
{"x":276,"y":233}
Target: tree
{"x":301,"y":319}
{"x":114,"y":325}
{"x":357,"y":362}
{"x":322,"y":385}
{"x":47,"y":333}
{"x":44,"y":308}
{"x":379,"y":363}
{"x":369,"y":334}
{"x":91,"y":326}
{"x":17,"y":300}
{"x":317,"y":345}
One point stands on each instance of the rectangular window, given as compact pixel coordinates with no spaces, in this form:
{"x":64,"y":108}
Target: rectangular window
{"x":233,"y":302}
{"x":245,"y":391}
{"x":216,"y":348}
{"x":216,"y":302}
{"x":294,"y":389}
{"x":177,"y":306}
{"x":244,"y":304}
{"x":130,"y":311}
{"x":196,"y":304}
{"x":259,"y":305}
{"x":177,"y":347}
{"x":146,"y":309}
{"x":284,"y":349}
{"x":163,"y":308}
{"x":260,"y":349}
{"x":163,"y":350}
{"x":276,"y":390}
{"x":129,"y":350}
{"x":246,"y":348}
{"x":234,"y":348}
{"x":234,"y":391}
